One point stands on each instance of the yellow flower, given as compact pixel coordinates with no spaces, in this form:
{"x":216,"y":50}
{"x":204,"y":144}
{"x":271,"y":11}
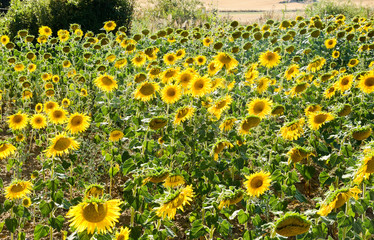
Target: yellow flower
{"x":200,"y":60}
{"x":49,"y":106}
{"x":6,"y":149}
{"x":335,"y":54}
{"x":57,"y":116}
{"x":366,"y":168}
{"x":157,"y":123}
{"x":4,"y":40}
{"x":317,"y":119}
{"x":146,"y":90}
{"x":45,"y":31}
{"x":316,"y":64}
{"x":174,"y":181}
{"x":95,"y":215}
{"x":312,"y":108}
{"x":293,"y":130}
{"x":227,"y":124}
{"x":171,"y":93}
{"x":18,"y":121}
{"x":219,"y":146}
{"x":231,"y":199}
{"x":225,"y":60}
{"x":169,"y":75}
{"x":292,"y":71}
{"x":139,"y":60}
{"x":120,"y":63}
{"x":200,"y":86}
{"x":106,"y":83}
{"x":19,"y":67}
{"x":299,"y":88}
{"x":366,"y":83}
{"x":337,"y":199}
{"x":183,"y":113}
{"x":353,"y":62}
{"x":31,"y":67}
{"x":292,"y":224}
{"x":207,"y":41}
{"x":248,"y":123}
{"x":186,"y":77}
{"x":330,"y":43}
{"x":344,"y":83}
{"x":116,"y":135}
{"x":219,"y":106}
{"x":38,"y":121}
{"x":26,"y":202}
{"x":39,"y":107}
{"x":330,"y":92}
{"x":262,"y":84}
{"x":123,"y":234}
{"x":361,"y":133}
{"x":18,"y":189}
{"x":260,"y":107}
{"x":257,"y":183}
{"x":170,"y":58}
{"x":269,"y":59}
{"x":110,"y":26}
{"x":61,"y":145}
{"x":297,"y":154}
{"x":78,"y":123}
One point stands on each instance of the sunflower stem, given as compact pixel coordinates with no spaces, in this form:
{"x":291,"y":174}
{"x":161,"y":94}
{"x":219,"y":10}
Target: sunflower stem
{"x":364,"y":213}
{"x":133,"y":217}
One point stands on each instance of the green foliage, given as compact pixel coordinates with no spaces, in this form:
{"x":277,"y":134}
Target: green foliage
{"x":59,"y":14}
{"x":331,"y":7}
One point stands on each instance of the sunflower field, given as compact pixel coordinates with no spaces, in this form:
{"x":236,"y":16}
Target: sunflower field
{"x":216,"y":132}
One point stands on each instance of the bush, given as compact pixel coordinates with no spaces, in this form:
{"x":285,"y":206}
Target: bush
{"x":59,"y":14}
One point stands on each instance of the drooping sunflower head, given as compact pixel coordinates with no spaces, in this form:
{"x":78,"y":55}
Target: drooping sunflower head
{"x":257,"y":183}
{"x":146,"y":90}
{"x":366,"y":168}
{"x":95,"y":215}
{"x":219,"y":146}
{"x":220,"y":105}
{"x":38,"y":121}
{"x":171,"y":93}
{"x":312,"y":108}
{"x":277,"y":110}
{"x":337,"y":198}
{"x":157,"y":123}
{"x":316,"y":64}
{"x":344,"y":110}
{"x":260,"y":107}
{"x":174,"y":180}
{"x":18,"y":121}
{"x":18,"y":189}
{"x":183,"y":113}
{"x":6,"y":149}
{"x":262,"y":84}
{"x":231,"y":197}
{"x":106,"y":83}
{"x":94,"y":190}
{"x":227,"y":124}
{"x":156,"y":175}
{"x":361,"y":133}
{"x":269,"y":59}
{"x":61,"y":144}
{"x":299,"y":88}
{"x":248,"y":123}
{"x":116,"y":135}
{"x":78,"y":123}
{"x":293,"y":130}
{"x":292,"y":224}
{"x":292,"y":71}
{"x":297,"y":154}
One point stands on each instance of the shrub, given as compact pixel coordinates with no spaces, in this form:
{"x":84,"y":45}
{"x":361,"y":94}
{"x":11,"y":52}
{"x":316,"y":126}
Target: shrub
{"x":59,"y":14}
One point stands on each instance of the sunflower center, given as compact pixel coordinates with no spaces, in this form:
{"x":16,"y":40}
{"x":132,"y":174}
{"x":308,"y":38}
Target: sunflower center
{"x":50,"y":106}
{"x":95,"y":213}
{"x":182,"y":113}
{"x":256,"y":182}
{"x":270,"y":57}
{"x":185,"y":78}
{"x":345,"y":81}
{"x":38,"y":120}
{"x":320,"y":118}
{"x":57,"y":114}
{"x":76,"y":121}
{"x":258,"y":107}
{"x":342,"y":198}
{"x":331,"y":90}
{"x":221,"y":104}
{"x":178,"y":201}
{"x":369,"y":82}
{"x":225,"y":59}
{"x":170,"y":58}
{"x":299,"y":88}
{"x":62,"y":144}
{"x":170,"y":74}
{"x":199,"y":84}
{"x":106,"y":81}
{"x":17,"y":188}
{"x":370,"y":165}
{"x":147,"y":89}
{"x":292,"y":70}
{"x":171,"y":92}
{"x":121,"y":237}
{"x":17,"y":119}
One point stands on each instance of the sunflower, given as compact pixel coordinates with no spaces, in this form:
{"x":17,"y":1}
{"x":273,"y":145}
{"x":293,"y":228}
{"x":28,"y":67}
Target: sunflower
{"x":109,"y":26}
{"x":50,"y":106}
{"x":18,"y":121}
{"x":19,"y":67}
{"x":106,"y":83}
{"x":297,"y":154}
{"x":293,"y":130}
{"x":174,"y":181}
{"x":94,"y":190}
{"x":157,"y":123}
{"x":78,"y":123}
{"x":219,"y":147}
{"x":317,"y":119}
{"x":146,"y":90}
{"x":225,"y":60}
{"x":353,"y":62}
{"x":344,"y":83}
{"x":185,"y":77}
{"x":4,"y":40}
{"x":6,"y":149}
{"x":18,"y":189}
{"x":330,"y":92}
{"x":26,"y":202}
{"x":219,"y":106}
{"x":269,"y":59}
{"x":39,"y":107}
{"x":156,"y":176}
{"x":139,"y":60}
{"x":259,"y":107}
{"x":292,"y":71}
{"x":20,"y":138}
{"x":277,"y":110}
{"x":58,"y":116}
{"x":123,"y":234}
{"x":116,"y":135}
{"x":171,"y":93}
{"x":120,"y":63}
{"x":170,"y":58}
{"x":262,"y":84}
{"x":366,"y":168}
{"x":361,"y":133}
{"x":257,"y":183}
{"x":31,"y":67}
{"x":366,"y":83}
{"x":231,"y":198}
{"x":169,"y":75}
{"x":60,"y":145}
{"x":207,"y":41}
{"x":330,"y":43}
{"x":316,"y":64}
{"x":344,"y":110}
{"x":335,"y":54}
{"x":250,"y":76}
{"x":180,"y":53}
{"x":66,"y":64}
{"x":38,"y":121}
{"x":299,"y":88}
{"x":292,"y":224}
{"x":183,"y":113}
{"x":312,"y":108}
{"x":248,"y":123}
{"x":45,"y":31}
{"x":95,"y":214}
{"x":84,"y":92}
{"x":200,"y":60}
{"x":200,"y":86}
{"x":174,"y":202}
{"x":337,"y":199}
{"x":65,"y":102}
{"x":227,"y":124}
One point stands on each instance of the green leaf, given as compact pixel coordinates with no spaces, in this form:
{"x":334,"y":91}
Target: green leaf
{"x":299,"y":196}
{"x":198,"y":229}
{"x":11,"y":224}
{"x":57,"y":222}
{"x":243,"y":217}
{"x":21,"y":236}
{"x":113,"y":171}
{"x":40,"y":231}
{"x":224,"y":228}
{"x":128,"y":166}
{"x":45,"y":208}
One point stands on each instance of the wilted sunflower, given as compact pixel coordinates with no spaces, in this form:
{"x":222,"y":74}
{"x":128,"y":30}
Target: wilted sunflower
{"x":292,"y":71}
{"x":116,"y":135}
{"x":156,"y":176}
{"x":78,"y":123}
{"x":297,"y":154}
{"x":61,"y":145}
{"x":18,"y":189}
{"x":293,"y":130}
{"x":146,"y":90}
{"x":257,"y":183}
{"x":123,"y":234}
{"x":95,"y":215}
{"x":106,"y":83}
{"x":49,"y":106}
{"x":361,"y":133}
{"x":366,"y":168}
{"x":330,"y":43}
{"x":231,"y":198}
{"x":337,"y":199}
{"x":260,"y":107}
{"x":227,"y":124}
{"x":174,"y":181}
{"x":175,"y":201}
{"x":6,"y":149}
{"x":269,"y":59}
{"x":109,"y":26}
{"x":219,"y":106}
{"x":248,"y":123}
{"x":344,"y":110}
{"x":200,"y":86}
{"x":219,"y":146}
{"x":18,"y":121}
{"x":366,"y":83}
{"x":58,"y":116}
{"x":225,"y":60}
{"x":292,"y":224}
{"x":344,"y":83}
{"x":317,"y":119}
{"x":38,"y":121}
{"x":277,"y":110}
{"x":157,"y":123}
{"x":171,"y":93}
{"x":183,"y":113}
